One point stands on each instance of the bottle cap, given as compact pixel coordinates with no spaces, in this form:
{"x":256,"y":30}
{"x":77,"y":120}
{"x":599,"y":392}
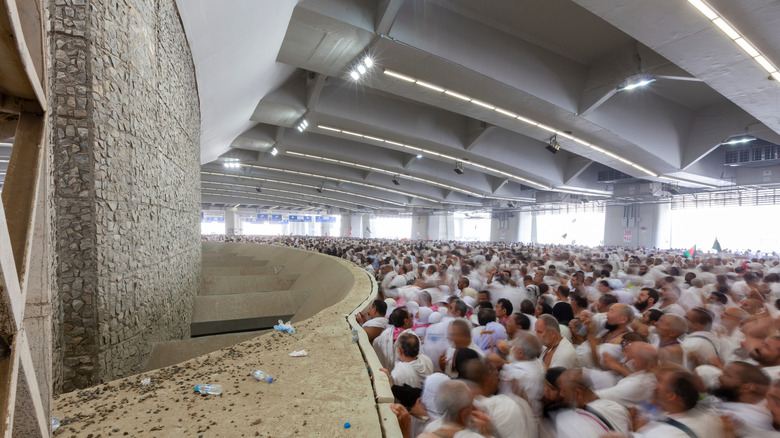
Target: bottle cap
{"x":347,"y":425}
{"x":197,"y":387}
{"x":270,"y":379}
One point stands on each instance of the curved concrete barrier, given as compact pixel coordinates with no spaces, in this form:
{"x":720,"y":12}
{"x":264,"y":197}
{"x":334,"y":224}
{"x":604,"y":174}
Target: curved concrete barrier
{"x":338,"y":382}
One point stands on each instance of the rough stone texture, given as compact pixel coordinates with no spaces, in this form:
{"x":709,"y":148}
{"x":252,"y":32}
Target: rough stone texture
{"x":125,"y":137}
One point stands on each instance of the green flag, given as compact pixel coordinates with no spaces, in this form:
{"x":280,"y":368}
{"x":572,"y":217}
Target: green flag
{"x":716,"y":245}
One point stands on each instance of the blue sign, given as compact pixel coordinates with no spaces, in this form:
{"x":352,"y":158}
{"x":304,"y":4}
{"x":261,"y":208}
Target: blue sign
{"x":307,"y":219}
{"x":325,"y":219}
{"x":262,"y":217}
{"x":295,"y":218}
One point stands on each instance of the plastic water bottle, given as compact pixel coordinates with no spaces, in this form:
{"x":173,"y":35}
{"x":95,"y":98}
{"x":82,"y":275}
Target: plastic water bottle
{"x":650,"y":412}
{"x":55,"y":424}
{"x":354,"y":334}
{"x":209,"y":389}
{"x":262,"y":376}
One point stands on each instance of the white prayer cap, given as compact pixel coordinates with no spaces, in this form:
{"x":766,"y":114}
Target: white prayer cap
{"x":413,"y":307}
{"x":471,"y":302}
{"x":434,"y":317}
{"x":430,"y":394}
{"x":425,"y":314}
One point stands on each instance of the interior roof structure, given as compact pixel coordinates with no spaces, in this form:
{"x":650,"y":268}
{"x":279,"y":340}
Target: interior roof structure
{"x":448,"y":82}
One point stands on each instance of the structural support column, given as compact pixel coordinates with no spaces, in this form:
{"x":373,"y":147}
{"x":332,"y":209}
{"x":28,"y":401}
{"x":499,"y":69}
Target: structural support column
{"x":638,"y":225}
{"x":232,"y":222}
{"x":420,"y":227}
{"x":505,"y":227}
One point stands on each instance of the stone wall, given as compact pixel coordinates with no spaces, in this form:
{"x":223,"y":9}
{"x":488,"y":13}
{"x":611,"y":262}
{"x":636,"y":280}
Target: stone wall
{"x":125,"y":136}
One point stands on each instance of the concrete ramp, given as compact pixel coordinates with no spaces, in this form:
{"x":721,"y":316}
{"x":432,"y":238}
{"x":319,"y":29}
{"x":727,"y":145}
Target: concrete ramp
{"x":239,"y":284}
{"x":228,"y":313}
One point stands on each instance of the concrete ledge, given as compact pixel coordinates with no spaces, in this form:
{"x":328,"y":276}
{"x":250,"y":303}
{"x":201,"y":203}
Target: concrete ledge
{"x":382,"y":390}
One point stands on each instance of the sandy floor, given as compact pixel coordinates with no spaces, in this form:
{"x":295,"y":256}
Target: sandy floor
{"x":313,"y":396}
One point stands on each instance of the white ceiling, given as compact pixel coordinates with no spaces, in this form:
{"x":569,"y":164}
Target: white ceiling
{"x":261,"y":66}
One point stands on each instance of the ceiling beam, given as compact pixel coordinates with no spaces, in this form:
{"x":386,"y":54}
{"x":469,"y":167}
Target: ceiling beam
{"x":386,"y":12}
{"x":314,"y":84}
{"x":474,"y":137}
{"x":575,"y":165}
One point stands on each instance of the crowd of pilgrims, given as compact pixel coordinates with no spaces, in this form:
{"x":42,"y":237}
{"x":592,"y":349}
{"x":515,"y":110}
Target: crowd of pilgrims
{"x":512,"y":340}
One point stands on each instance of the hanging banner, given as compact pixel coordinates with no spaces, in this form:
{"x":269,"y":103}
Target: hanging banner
{"x":627,"y":236}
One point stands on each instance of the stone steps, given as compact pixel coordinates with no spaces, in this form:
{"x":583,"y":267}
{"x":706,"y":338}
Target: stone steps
{"x":236,"y":284}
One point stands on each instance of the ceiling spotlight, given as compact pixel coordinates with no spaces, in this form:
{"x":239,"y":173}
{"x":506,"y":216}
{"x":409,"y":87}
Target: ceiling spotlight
{"x":354,"y":74}
{"x":510,"y":204}
{"x":584,"y":199}
{"x":368,"y":61}
{"x":274,"y":151}
{"x":458,"y":168}
{"x":552,"y":145}
{"x":636,"y":83}
{"x":319,"y":189}
{"x":232,"y":164}
{"x":302,"y":124}
{"x":396,"y":180}
{"x":419,"y":155}
{"x":259,"y":189}
{"x":361,"y":69}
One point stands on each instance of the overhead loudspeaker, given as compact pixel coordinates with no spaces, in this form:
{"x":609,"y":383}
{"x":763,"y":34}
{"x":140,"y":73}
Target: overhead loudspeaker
{"x":458,"y":168}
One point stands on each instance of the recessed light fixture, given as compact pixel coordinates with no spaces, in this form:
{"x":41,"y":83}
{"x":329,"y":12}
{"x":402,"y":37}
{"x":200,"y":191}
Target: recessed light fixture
{"x":741,"y":140}
{"x":361,"y":67}
{"x":296,"y":184}
{"x":274,"y":151}
{"x":302,"y":124}
{"x":636,"y":83}
{"x":735,"y":36}
{"x":489,"y":106}
{"x":685,"y":181}
{"x":420,"y":152}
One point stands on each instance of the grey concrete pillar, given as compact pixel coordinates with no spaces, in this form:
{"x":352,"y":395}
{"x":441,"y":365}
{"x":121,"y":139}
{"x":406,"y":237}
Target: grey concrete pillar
{"x":505,"y":227}
{"x":638,"y":225}
{"x":420,"y":227}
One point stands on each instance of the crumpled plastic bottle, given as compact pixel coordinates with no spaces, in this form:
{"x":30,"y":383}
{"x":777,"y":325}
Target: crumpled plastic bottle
{"x":284,"y":327}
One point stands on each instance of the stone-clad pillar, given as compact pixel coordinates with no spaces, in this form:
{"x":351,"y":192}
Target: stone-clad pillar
{"x":125,"y":126}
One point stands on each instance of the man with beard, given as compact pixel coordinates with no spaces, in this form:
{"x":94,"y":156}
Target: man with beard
{"x":743,"y":388}
{"x":646,"y":300}
{"x":587,"y":416}
{"x":677,"y":395}
{"x":619,"y":317}
{"x":767,"y":354}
